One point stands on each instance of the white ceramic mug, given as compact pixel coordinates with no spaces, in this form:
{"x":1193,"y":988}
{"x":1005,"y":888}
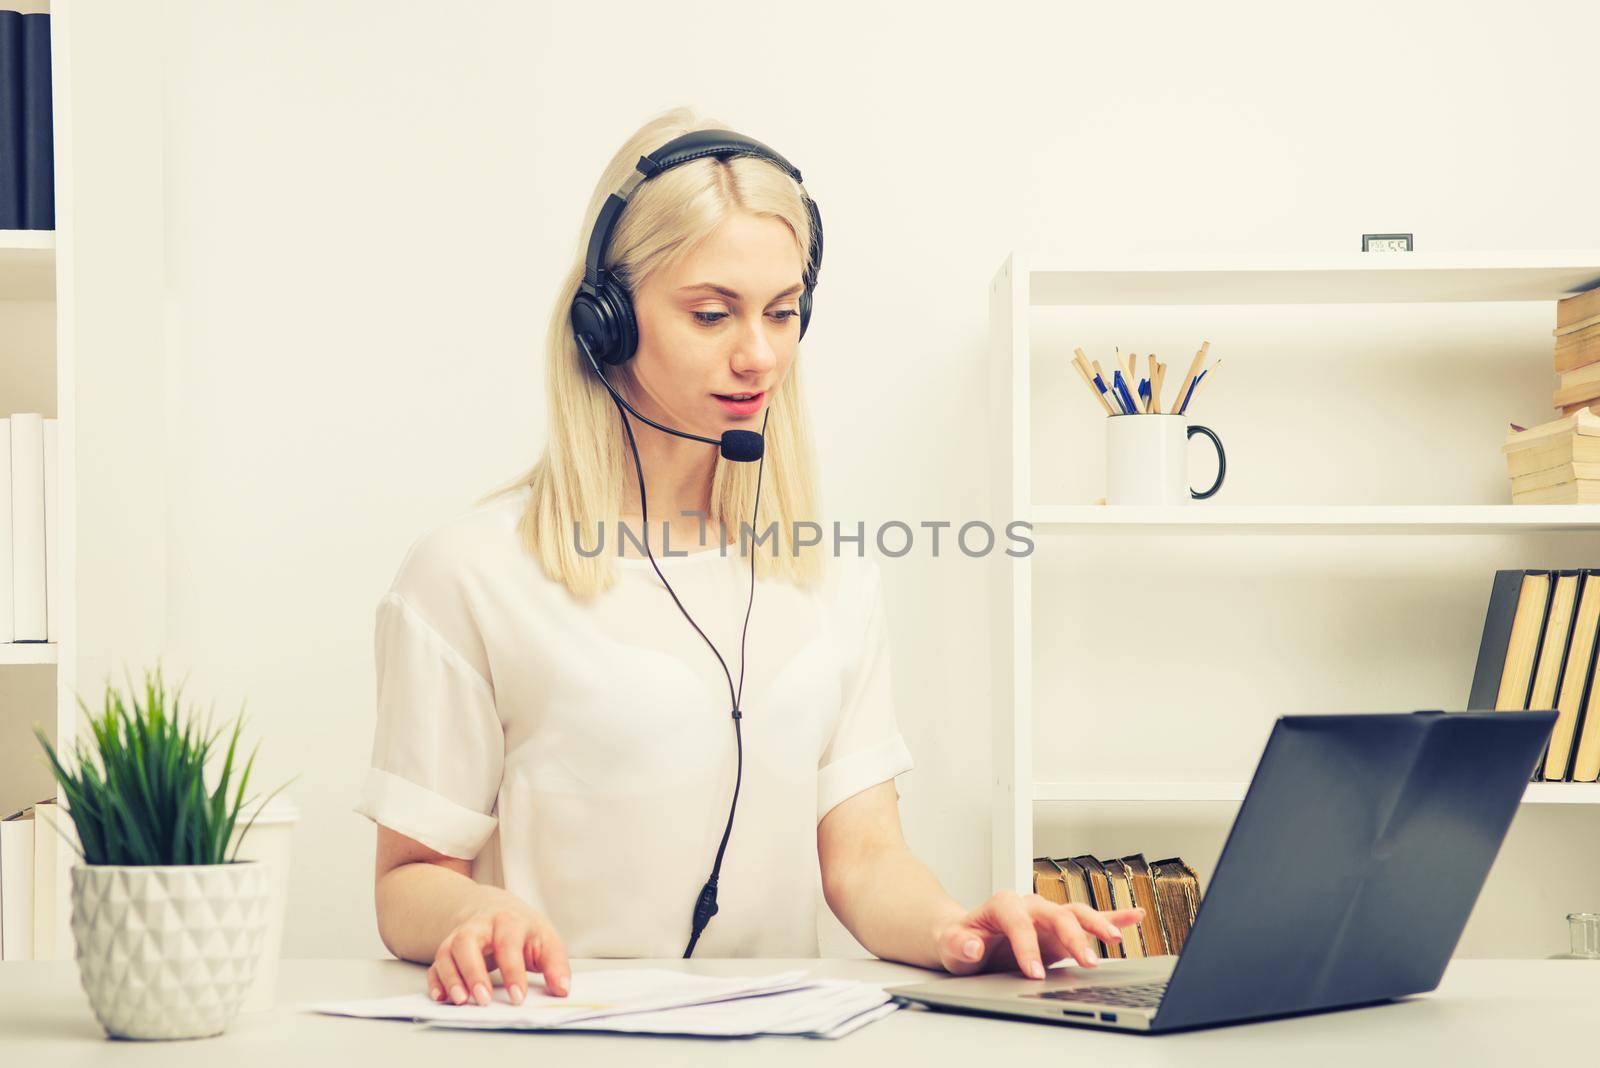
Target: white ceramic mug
{"x":1147,"y":459}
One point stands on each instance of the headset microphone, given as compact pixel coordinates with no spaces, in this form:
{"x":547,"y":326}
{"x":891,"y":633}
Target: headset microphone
{"x":744,"y":446}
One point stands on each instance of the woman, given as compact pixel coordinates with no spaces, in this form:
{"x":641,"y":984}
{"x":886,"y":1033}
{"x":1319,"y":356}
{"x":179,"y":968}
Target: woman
{"x":552,"y":755}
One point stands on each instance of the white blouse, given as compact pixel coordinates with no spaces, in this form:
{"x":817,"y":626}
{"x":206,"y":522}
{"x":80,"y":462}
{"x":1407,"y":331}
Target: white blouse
{"x":583,"y":754}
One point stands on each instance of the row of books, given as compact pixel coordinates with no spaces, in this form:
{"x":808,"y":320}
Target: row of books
{"x":1545,"y":473}
{"x":27,"y":140}
{"x":1577,"y":359}
{"x":1540,"y":638}
{"x":1556,"y":462}
{"x":29,"y":519}
{"x":1168,"y":891}
{"x":28,"y":845}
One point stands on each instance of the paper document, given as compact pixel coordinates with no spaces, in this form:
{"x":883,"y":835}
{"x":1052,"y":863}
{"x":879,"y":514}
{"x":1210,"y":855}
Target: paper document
{"x":652,"y":1001}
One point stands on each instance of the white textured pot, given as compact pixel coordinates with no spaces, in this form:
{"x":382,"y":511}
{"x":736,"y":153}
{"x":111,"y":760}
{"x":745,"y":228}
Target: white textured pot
{"x":168,"y":951}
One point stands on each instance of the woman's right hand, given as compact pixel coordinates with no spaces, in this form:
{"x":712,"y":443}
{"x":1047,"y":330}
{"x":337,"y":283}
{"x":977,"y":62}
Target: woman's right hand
{"x":506,"y":934}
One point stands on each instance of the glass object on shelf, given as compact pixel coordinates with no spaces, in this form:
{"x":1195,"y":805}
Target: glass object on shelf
{"x":1584,"y":929}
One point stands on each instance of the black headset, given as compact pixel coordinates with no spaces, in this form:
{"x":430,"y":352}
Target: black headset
{"x":603,"y":325}
{"x":602,"y":310}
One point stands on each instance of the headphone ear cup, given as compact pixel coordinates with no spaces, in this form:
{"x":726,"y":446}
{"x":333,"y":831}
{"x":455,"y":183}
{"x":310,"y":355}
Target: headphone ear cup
{"x":805,"y":310}
{"x":627,"y":328}
{"x":591,"y":319}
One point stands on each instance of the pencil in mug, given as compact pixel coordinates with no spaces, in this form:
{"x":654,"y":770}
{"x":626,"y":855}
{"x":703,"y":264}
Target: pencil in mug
{"x":1155,"y":388}
{"x":1096,"y":379}
{"x":1188,"y":380}
{"x":1088,"y":380}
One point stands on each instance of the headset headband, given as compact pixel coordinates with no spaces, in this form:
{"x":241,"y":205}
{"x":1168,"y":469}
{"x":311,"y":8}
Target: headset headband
{"x":697,"y":144}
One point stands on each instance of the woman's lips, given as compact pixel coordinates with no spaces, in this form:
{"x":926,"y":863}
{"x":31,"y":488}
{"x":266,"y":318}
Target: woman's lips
{"x":741,"y":407}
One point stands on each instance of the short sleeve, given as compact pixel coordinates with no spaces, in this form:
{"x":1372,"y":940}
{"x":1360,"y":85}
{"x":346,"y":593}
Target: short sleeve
{"x":866,"y":747}
{"x":439,"y":746}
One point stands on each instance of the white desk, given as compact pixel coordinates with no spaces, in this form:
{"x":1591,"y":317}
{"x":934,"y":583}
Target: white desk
{"x":1484,"y":1012}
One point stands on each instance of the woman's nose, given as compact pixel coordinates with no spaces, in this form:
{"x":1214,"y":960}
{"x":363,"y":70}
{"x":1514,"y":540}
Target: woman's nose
{"x":755,"y":354}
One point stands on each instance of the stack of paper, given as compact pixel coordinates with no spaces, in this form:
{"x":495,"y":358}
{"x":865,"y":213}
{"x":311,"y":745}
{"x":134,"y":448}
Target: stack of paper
{"x":653,"y":1001}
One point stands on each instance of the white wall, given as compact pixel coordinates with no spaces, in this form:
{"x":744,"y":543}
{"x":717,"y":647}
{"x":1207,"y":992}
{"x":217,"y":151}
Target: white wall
{"x":369,"y":205}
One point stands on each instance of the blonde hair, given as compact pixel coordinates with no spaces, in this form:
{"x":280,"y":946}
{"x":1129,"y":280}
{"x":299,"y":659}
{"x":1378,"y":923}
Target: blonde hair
{"x":578,"y":481}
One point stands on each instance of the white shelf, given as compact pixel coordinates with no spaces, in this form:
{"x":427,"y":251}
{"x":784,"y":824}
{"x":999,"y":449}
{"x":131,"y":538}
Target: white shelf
{"x":1053,"y":278}
{"x":1315,"y":519}
{"x":1540,"y":793}
{"x":28,"y":652}
{"x":1352,"y":278}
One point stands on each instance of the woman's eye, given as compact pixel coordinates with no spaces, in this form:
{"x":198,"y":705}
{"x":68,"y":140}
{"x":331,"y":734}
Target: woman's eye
{"x":786,"y":314}
{"x":709,"y":318}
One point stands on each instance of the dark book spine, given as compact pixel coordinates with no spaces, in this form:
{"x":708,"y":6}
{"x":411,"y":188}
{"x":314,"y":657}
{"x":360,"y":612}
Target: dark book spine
{"x":38,"y":137}
{"x":1540,"y":651}
{"x":10,"y":120}
{"x":1587,"y":664}
{"x":1496,"y":639}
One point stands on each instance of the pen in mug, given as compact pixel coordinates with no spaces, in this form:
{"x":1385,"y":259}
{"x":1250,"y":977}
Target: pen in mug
{"x":1100,"y":376}
{"x":1127,"y":398}
{"x":1207,"y":373}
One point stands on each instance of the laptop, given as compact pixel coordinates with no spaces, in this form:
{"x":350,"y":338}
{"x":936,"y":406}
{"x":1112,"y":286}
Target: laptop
{"x":1346,"y":880}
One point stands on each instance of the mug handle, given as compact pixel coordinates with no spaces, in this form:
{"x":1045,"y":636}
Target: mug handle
{"x":1222,"y":460}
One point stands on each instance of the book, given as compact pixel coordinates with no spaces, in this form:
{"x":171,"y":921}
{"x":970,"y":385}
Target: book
{"x":1573,"y":449}
{"x":16,"y":886}
{"x":1586,"y":762}
{"x":1576,"y":308}
{"x":1555,"y":476}
{"x":1077,"y":882}
{"x":1575,"y":676}
{"x":1177,"y":898}
{"x":7,"y":632}
{"x":1508,"y":666}
{"x":27,"y":527}
{"x":1048,"y":880}
{"x":1553,"y":644}
{"x":1587,"y":373}
{"x":1584,"y":423}
{"x":10,"y":120}
{"x":46,"y":846}
{"x":1568,"y":409}
{"x":1577,"y":349}
{"x":52,"y":534}
{"x":38,"y":134}
{"x":1100,"y":893}
{"x":1579,"y":394}
{"x":1583,"y":491}
{"x":1144,"y":895}
{"x":1120,"y":879}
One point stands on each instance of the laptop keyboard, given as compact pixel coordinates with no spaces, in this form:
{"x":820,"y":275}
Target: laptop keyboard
{"x":1131,"y":996}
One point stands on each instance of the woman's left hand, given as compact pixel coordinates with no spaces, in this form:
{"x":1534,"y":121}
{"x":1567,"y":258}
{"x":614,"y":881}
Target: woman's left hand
{"x":1026,"y":931}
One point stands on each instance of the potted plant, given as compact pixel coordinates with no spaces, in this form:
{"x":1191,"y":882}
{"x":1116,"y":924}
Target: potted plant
{"x":168,"y":930}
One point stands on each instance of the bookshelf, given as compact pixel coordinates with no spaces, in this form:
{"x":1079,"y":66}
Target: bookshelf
{"x":36,"y":305}
{"x":82,"y":319}
{"x":1032,"y":282}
